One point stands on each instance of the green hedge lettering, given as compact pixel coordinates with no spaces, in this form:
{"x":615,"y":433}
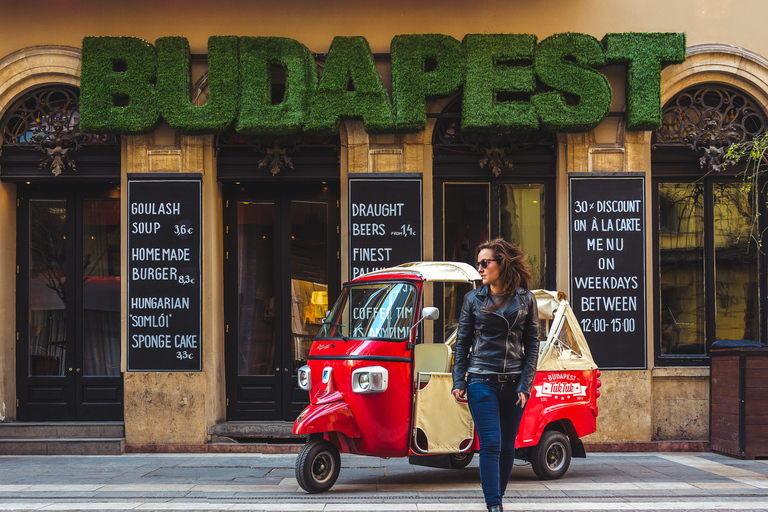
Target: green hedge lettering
{"x":350,"y":62}
{"x":554,"y":68}
{"x":116,"y":91}
{"x":644,"y":53}
{"x":493,"y":66}
{"x":412,"y":84}
{"x":174,"y":85}
{"x":257,"y":114}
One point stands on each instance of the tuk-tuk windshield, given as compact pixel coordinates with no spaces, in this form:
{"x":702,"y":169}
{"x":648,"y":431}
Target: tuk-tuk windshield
{"x":372,"y":310}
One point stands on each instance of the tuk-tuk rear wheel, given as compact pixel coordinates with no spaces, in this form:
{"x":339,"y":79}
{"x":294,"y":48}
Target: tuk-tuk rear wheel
{"x":460,"y":460}
{"x":318,"y":466}
{"x":551,"y":458}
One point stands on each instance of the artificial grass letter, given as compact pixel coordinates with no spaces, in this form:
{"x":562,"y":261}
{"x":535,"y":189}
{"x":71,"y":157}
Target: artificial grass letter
{"x":644,"y":53}
{"x":257,"y":114}
{"x":493,"y":66}
{"x":555,"y":69}
{"x":350,"y":88}
{"x":412,"y":84}
{"x":116,"y":92}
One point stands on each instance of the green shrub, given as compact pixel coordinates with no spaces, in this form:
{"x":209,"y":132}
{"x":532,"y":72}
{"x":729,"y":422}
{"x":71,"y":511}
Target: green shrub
{"x":487,"y":75}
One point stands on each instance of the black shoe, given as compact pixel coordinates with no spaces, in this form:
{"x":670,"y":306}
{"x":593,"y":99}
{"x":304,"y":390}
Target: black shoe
{"x":495,"y":508}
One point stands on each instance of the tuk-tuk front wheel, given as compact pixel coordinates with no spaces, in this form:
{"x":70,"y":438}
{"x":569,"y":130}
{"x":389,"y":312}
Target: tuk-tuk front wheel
{"x":317,"y":466}
{"x":552,"y":456}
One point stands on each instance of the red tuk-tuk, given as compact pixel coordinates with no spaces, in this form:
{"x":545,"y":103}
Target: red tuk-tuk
{"x":376,"y":390}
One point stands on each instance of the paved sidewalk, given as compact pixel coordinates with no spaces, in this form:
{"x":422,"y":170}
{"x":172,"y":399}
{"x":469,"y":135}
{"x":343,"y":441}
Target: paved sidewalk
{"x":218,"y":482}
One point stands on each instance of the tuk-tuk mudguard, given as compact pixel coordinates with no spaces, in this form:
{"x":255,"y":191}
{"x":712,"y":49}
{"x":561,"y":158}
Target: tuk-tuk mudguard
{"x":332,"y":417}
{"x":552,"y":402}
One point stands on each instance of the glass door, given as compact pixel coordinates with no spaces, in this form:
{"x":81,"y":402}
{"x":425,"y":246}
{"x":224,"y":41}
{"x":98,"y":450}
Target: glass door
{"x":68,"y":291}
{"x":282,"y":265}
{"x":474,"y":212}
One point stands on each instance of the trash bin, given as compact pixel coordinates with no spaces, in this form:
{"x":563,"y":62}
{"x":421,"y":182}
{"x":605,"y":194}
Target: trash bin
{"x":738,"y":393}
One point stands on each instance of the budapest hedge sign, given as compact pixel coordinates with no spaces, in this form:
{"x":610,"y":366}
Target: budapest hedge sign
{"x":509,"y":82}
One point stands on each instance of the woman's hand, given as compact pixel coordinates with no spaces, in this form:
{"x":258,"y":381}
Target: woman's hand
{"x":459,"y":394}
{"x":521,"y":398}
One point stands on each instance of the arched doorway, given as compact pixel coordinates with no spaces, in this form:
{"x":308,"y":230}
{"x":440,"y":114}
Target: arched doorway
{"x":68,"y":259}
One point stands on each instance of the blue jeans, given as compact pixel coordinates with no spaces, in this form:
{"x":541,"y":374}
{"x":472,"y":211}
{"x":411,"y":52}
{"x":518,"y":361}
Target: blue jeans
{"x":497,"y":418}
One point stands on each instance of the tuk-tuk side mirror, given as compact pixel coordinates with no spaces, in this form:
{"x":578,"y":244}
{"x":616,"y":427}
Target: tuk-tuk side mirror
{"x":428,"y":313}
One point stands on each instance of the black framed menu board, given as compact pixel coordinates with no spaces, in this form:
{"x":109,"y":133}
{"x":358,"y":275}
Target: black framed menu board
{"x":385,"y":223}
{"x":607,"y":238}
{"x":164,"y":288}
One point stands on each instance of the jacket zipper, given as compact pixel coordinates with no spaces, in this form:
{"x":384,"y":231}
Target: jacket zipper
{"x":509,"y":333}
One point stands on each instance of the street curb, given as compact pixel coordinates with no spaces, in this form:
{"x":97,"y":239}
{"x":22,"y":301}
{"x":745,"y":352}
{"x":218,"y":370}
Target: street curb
{"x":652,"y":446}
{"x":287,"y":448}
{"x":214,"y":448}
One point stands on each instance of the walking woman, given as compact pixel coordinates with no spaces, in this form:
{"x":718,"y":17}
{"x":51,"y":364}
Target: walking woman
{"x":497,"y":348}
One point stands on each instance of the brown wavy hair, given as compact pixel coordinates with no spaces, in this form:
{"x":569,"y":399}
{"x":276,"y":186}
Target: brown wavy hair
{"x":514,"y":269}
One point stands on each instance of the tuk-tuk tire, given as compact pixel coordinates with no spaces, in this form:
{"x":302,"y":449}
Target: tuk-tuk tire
{"x":318,"y":466}
{"x":460,"y":460}
{"x":551,"y":458}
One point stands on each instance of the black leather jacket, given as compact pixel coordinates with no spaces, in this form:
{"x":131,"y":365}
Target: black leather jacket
{"x":504,"y":341}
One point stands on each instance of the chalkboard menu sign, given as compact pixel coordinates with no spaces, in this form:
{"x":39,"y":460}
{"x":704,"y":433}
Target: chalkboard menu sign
{"x":607,"y":217}
{"x":164,"y":289}
{"x":385,"y":223}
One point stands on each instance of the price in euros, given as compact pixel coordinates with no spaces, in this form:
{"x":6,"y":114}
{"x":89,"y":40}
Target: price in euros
{"x":185,"y":355}
{"x":186,"y":280}
{"x":182,"y":229}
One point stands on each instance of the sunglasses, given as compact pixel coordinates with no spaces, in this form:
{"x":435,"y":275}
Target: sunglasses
{"x":484,"y":263}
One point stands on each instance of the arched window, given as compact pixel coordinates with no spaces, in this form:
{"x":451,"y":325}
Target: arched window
{"x":42,"y":129}
{"x":706,"y":225}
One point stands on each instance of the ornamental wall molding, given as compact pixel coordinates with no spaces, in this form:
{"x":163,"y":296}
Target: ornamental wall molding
{"x":717,"y":63}
{"x":34,"y":66}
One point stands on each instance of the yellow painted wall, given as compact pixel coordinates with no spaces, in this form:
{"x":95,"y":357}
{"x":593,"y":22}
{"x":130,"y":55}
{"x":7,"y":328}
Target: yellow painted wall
{"x":315,"y":23}
{"x":8,"y":302}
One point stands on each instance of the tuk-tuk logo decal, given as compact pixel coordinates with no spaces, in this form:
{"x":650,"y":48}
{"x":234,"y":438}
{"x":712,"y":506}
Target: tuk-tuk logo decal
{"x":561,"y":385}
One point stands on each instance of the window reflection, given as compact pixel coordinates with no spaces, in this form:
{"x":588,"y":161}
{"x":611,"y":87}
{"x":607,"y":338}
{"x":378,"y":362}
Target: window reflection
{"x":736,"y":294}
{"x":47,"y":287}
{"x":101,"y":287}
{"x":681,"y":267}
{"x":373,"y":311}
{"x":466,"y":225}
{"x":256,"y":288}
{"x":309,"y":275}
{"x":522,"y":223}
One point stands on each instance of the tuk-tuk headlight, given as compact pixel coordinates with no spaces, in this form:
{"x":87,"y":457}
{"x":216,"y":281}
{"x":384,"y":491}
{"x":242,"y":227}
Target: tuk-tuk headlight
{"x":305,"y":378}
{"x":373,"y":379}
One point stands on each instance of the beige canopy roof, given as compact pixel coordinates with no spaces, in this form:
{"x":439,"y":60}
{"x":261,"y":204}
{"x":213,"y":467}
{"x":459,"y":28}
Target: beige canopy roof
{"x":565,"y":347}
{"x":441,"y":271}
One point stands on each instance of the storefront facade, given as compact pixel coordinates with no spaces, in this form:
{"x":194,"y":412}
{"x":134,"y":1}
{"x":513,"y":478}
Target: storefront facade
{"x":282,"y":219}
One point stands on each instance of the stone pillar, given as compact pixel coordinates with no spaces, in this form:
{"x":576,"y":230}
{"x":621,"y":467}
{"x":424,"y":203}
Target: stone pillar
{"x":177,"y":407}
